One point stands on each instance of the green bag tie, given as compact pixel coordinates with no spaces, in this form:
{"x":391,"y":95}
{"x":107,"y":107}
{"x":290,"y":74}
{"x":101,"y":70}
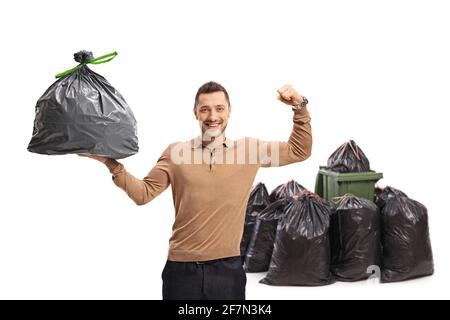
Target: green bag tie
{"x":105,"y":58}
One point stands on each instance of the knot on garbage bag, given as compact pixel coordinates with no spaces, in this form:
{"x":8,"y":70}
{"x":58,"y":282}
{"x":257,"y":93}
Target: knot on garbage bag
{"x":83,"y":56}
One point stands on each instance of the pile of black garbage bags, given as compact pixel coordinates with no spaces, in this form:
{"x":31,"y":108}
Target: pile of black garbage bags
{"x":301,"y":239}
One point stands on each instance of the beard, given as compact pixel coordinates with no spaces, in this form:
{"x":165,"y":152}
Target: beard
{"x":210,"y":134}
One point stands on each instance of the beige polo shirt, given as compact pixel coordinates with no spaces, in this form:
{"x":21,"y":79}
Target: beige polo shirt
{"x":211,"y":185}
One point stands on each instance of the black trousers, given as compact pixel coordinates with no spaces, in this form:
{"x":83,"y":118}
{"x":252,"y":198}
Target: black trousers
{"x":221,"y":279}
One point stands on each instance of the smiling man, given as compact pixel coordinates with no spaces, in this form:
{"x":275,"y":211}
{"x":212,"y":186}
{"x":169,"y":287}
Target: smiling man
{"x":211,"y":177}
{"x":212,"y":111}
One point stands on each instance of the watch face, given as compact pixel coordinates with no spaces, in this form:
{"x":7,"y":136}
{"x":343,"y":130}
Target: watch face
{"x":305,"y":101}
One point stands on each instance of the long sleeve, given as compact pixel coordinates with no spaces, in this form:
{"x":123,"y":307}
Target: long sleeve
{"x":296,"y":149}
{"x":145,"y":190}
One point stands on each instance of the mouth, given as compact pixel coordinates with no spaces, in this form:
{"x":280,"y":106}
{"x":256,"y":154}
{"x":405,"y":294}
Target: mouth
{"x":212,"y":125}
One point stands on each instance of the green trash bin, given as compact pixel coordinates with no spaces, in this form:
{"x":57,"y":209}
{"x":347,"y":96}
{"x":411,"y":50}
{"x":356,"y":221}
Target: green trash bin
{"x":330,"y":184}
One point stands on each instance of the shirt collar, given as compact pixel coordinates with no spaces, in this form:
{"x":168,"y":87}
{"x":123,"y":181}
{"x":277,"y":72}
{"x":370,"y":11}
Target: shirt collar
{"x":196,"y":143}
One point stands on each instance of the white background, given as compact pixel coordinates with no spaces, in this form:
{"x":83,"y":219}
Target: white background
{"x":373,"y":71}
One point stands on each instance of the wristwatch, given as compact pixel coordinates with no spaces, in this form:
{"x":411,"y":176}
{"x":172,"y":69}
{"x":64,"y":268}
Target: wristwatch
{"x":301,"y":105}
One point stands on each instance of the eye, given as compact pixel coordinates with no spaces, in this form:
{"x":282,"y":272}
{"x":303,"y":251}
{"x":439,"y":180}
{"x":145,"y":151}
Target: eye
{"x":220,"y":109}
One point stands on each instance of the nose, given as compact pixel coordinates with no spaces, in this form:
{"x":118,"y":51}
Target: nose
{"x":213,"y":116}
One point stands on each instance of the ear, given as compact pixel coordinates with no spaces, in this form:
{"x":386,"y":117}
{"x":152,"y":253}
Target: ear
{"x":195,"y":113}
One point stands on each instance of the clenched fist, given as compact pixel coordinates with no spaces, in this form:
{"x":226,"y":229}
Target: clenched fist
{"x":288,"y":95}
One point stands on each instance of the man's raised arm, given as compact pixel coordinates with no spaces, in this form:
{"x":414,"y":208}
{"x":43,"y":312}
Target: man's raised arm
{"x":299,"y":145}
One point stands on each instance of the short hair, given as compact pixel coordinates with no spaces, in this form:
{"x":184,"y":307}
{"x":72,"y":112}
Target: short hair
{"x":210,"y":87}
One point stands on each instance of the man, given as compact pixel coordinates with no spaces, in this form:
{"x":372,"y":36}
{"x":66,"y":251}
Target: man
{"x":211,"y":178}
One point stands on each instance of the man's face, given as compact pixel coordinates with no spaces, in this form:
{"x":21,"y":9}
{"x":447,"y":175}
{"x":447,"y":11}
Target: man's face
{"x":212,"y":112}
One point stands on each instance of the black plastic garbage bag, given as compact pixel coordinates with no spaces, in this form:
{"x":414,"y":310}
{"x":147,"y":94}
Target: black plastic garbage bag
{"x":285,"y":190}
{"x":382,"y":196}
{"x":405,"y":237}
{"x":82,"y":113}
{"x":261,"y":243}
{"x":355,"y":238}
{"x":301,"y":254}
{"x":348,"y":158}
{"x":257,"y":201}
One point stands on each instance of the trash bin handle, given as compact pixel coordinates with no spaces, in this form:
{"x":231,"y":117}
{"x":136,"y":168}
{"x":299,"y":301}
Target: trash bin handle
{"x":102,"y":59}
